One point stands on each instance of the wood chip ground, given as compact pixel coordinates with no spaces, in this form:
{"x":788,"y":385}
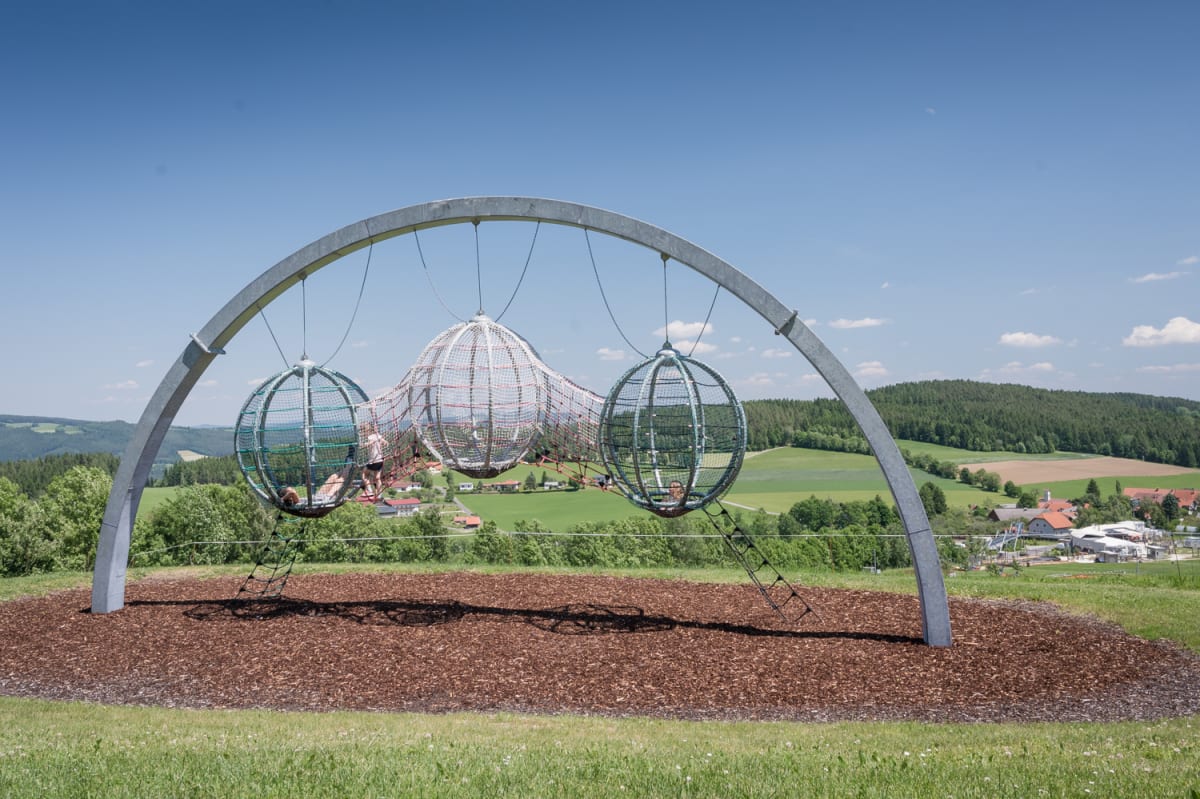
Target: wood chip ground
{"x":583,"y":645}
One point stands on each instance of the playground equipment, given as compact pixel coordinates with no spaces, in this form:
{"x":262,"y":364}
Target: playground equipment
{"x":297,"y":439}
{"x":108,"y":590}
{"x":672,"y":434}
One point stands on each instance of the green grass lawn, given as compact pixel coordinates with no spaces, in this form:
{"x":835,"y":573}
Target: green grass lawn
{"x":1067,"y":489}
{"x":956,"y":455}
{"x":71,"y":749}
{"x":777,"y":479}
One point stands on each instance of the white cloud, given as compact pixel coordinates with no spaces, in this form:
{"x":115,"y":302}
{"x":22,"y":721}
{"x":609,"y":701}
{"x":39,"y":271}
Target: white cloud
{"x":736,"y":340}
{"x":1191,"y":260}
{"x":847,"y":324}
{"x":144,"y":364}
{"x":871,"y":369}
{"x":811,"y":376}
{"x":1028,"y":340}
{"x":358,"y":345}
{"x":694,"y":348}
{"x":774,"y":353}
{"x":678,"y":329}
{"x":1028,"y":292}
{"x":607,"y":354}
{"x":931,"y":110}
{"x":1179,"y":330}
{"x":758,"y":379}
{"x":885,"y":285}
{"x":1151,"y":277}
{"x":124,"y":385}
{"x":1016,"y":369}
{"x":1178,"y":368}
{"x":210,"y":383}
{"x":256,"y":381}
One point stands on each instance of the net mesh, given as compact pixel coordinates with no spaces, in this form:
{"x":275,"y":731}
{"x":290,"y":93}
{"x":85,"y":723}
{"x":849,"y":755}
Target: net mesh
{"x":479,"y":399}
{"x":297,"y":439}
{"x":673,"y":435}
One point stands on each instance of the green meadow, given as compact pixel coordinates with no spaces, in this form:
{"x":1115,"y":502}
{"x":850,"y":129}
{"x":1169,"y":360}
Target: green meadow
{"x":772,"y":480}
{"x":1067,"y":489}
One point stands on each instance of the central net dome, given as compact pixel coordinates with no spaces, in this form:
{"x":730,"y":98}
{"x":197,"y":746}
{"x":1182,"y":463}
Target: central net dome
{"x":477,"y":397}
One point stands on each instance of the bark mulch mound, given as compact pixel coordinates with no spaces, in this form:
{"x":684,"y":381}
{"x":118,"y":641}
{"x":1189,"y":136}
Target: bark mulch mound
{"x":586,"y":645}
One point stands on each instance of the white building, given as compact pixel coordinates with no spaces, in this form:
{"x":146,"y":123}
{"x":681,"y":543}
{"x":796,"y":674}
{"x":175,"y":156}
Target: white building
{"x":1096,"y":539}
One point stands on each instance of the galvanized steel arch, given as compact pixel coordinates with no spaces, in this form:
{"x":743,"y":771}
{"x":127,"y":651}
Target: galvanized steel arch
{"x":108,"y":584}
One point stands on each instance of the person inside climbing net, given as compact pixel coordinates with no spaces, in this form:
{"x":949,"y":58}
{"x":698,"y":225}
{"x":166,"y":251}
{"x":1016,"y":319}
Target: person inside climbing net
{"x":373,"y":471}
{"x":675,"y":493}
{"x":289,"y":496}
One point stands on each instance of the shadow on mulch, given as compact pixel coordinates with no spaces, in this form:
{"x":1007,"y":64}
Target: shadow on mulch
{"x":572,"y":619}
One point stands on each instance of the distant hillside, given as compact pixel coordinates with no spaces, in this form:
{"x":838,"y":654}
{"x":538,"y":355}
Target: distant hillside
{"x":956,"y":413}
{"x":990,"y":416}
{"x":32,"y":437}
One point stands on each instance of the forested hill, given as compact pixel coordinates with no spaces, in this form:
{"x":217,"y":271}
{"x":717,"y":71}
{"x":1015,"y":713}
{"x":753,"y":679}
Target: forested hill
{"x":32,"y":437}
{"x":992,"y":416}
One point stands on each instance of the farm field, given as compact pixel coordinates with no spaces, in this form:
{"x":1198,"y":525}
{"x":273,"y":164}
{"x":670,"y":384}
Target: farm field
{"x":776,"y":479}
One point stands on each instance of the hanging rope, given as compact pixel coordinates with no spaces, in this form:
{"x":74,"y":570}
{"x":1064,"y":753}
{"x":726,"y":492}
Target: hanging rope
{"x":357,"y":304}
{"x":478,"y":277}
{"x":429,"y":278}
{"x":707,"y":316}
{"x":304,"y":315}
{"x":528,"y":258}
{"x":607,"y":307}
{"x":272,"y":332}
{"x":666,"y":316}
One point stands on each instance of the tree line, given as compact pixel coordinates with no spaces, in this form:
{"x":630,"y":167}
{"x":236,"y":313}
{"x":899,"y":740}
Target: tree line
{"x":989,"y":416}
{"x":211,"y":523}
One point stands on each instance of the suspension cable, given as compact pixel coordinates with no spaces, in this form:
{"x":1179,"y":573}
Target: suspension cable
{"x":304,"y":315}
{"x":707,"y":316}
{"x":357,"y":303}
{"x":528,"y":258}
{"x":263,"y":314}
{"x":607,"y":307}
{"x":478,"y":276}
{"x":666,"y":315}
{"x":429,"y":278}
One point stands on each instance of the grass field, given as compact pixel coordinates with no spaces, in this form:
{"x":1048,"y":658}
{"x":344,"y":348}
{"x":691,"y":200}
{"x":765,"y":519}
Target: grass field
{"x":773,"y":480}
{"x":68,"y":749}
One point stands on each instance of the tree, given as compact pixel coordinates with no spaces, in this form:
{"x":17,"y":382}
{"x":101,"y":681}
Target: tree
{"x":934,"y":499}
{"x":1011,"y":490}
{"x":530,"y":483}
{"x":74,"y":504}
{"x":25,"y":544}
{"x":1170,"y":506}
{"x":965,"y":476}
{"x":1027,"y":499}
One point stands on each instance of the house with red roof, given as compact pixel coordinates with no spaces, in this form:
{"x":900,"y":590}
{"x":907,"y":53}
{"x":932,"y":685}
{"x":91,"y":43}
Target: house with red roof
{"x":1189,"y":498}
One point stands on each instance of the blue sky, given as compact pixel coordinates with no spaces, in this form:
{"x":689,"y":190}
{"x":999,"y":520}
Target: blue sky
{"x":1007,"y":192}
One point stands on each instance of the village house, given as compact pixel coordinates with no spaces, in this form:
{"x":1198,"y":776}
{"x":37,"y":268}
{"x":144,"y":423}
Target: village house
{"x":1189,"y":498}
{"x":399,"y":507}
{"x":1050,"y":524}
{"x":508,"y":486}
